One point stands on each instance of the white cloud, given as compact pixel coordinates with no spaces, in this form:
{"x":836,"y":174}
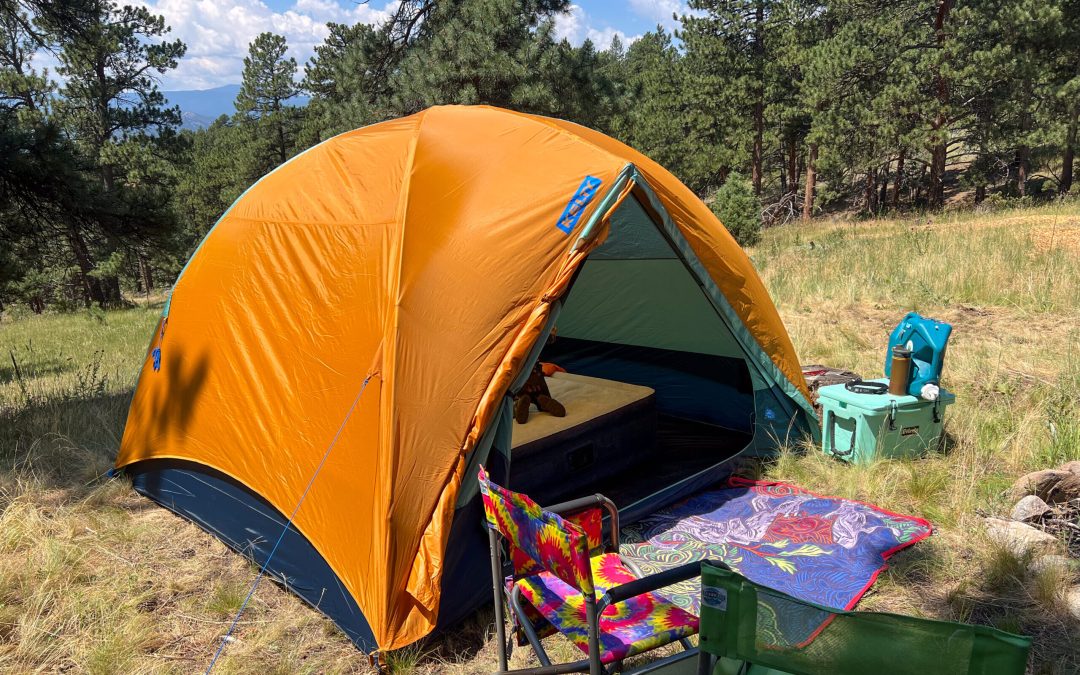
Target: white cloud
{"x":571,"y":25}
{"x":602,"y":37}
{"x":574,"y":26}
{"x":660,"y":11}
{"x":218,"y":32}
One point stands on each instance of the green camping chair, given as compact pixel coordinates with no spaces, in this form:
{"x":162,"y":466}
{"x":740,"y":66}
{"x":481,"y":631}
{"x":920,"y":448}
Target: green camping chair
{"x":566,"y":579}
{"x":748,"y":629}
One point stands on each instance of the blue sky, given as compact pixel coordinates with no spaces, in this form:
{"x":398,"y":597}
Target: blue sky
{"x":218,"y":32}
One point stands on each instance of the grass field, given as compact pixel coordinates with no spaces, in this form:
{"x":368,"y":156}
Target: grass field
{"x":95,"y":579}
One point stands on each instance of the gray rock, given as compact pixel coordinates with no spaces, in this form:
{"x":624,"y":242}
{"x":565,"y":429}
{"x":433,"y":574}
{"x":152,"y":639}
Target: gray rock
{"x":1050,"y":485}
{"x":1020,"y":538}
{"x":1066,"y":490}
{"x":1061,"y":565}
{"x":1071,"y":467}
{"x":1072,"y":601}
{"x":1029,"y":508}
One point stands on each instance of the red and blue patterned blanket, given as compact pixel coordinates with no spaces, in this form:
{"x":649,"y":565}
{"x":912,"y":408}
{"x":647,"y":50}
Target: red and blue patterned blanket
{"x":826,"y":550}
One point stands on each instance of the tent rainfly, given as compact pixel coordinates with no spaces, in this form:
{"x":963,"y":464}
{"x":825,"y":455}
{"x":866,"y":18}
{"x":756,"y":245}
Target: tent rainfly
{"x":432,"y":256}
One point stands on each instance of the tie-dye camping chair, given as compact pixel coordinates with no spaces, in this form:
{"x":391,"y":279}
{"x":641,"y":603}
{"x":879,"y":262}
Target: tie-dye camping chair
{"x":566,"y":578}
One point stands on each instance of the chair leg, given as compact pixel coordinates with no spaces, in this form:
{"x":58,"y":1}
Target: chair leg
{"x":526,"y":627}
{"x":496,"y":574}
{"x":595,"y":667}
{"x":705,"y":664}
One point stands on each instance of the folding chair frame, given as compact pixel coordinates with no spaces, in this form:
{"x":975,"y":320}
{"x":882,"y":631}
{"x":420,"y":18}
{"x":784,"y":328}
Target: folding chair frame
{"x":708,"y":657}
{"x":593,"y":607}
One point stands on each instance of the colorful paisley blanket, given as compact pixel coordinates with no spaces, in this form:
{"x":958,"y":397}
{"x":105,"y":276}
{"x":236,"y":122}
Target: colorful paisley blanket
{"x":826,"y":550}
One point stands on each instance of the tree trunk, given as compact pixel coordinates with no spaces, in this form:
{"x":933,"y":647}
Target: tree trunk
{"x":1022,"y":160}
{"x":759,"y":96}
{"x":898,"y":182}
{"x":1069,"y":156}
{"x":759,"y":129}
{"x":110,"y":287}
{"x":793,"y":167}
{"x":146,"y":275}
{"x":980,"y":193}
{"x":281,"y":142}
{"x":1023,"y":151}
{"x":91,"y":287}
{"x":936,"y":190}
{"x":811,"y":183}
{"x":868,"y":191}
{"x":883,"y":190}
{"x":938,"y":147}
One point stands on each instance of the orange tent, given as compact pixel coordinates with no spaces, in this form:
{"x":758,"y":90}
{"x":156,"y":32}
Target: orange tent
{"x":428,"y":256}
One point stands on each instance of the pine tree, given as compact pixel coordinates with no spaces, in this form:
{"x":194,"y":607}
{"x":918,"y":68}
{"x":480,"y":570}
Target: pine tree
{"x":110,"y":93}
{"x":654,"y":118}
{"x":738,"y":209}
{"x":346,"y":81}
{"x":730,"y":47}
{"x":214,"y":175}
{"x":480,"y":51}
{"x":94,"y":160}
{"x":269,"y":82}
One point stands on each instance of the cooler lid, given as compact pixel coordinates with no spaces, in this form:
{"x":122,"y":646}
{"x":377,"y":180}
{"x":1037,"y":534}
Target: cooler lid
{"x":877,"y":402}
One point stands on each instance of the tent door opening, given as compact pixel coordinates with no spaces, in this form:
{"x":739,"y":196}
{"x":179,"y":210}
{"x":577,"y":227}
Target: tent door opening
{"x":658,"y":392}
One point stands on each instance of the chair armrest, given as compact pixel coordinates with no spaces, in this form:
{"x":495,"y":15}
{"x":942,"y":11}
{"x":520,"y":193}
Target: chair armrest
{"x":581,"y":504}
{"x":650,"y":583}
{"x":592,"y":501}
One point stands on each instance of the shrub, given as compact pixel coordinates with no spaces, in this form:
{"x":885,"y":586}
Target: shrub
{"x":738,"y":209}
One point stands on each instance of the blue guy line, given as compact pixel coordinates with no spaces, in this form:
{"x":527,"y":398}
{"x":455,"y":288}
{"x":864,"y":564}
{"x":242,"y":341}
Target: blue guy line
{"x":285,"y":530}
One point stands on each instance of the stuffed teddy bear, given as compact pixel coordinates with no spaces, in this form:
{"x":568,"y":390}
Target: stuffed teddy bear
{"x":536,"y":392}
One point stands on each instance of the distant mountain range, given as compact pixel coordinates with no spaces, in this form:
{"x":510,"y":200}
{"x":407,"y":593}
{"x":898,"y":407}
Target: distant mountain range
{"x":200,"y":107}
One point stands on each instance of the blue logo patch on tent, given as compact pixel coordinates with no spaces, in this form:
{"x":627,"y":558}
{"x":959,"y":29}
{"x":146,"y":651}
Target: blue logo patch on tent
{"x":157,"y":358}
{"x":576,"y":206}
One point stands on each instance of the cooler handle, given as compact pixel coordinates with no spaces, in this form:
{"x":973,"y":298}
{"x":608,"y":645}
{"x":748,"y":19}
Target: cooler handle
{"x":832,"y":435}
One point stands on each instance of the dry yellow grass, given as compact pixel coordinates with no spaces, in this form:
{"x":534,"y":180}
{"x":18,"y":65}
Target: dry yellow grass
{"x":1014,"y":363}
{"x":94,"y":579}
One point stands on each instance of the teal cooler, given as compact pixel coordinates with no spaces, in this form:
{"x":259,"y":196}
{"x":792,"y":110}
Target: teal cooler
{"x":860,"y":428}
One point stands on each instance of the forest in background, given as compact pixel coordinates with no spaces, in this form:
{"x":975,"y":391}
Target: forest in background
{"x":771,"y":110}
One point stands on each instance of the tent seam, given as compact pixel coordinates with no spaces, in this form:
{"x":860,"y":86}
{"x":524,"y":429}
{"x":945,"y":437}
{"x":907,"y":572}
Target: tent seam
{"x":406,"y":186}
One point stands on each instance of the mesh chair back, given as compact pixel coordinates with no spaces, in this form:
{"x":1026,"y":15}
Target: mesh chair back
{"x":745,"y":621}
